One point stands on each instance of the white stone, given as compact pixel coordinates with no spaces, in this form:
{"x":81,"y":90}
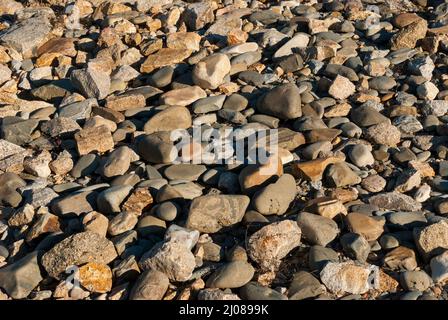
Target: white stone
{"x":439,"y":267}
{"x":341,"y":88}
{"x":300,"y":40}
{"x":361,"y":156}
{"x":348,"y":277}
{"x":427,"y":90}
{"x":209,"y":73}
{"x":423,"y":193}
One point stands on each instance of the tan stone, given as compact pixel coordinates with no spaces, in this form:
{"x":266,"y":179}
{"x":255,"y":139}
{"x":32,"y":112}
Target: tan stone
{"x":236,"y":36}
{"x":438,"y":31}
{"x":423,"y":168}
{"x":154,"y":24}
{"x":4,"y":56}
{"x":257,"y":175}
{"x":94,"y":139}
{"x":409,"y":35}
{"x":368,"y":227}
{"x":47,"y":59}
{"x":344,"y":195}
{"x":289,"y":139}
{"x":341,"y":88}
{"x":96,"y":222}
{"x":183,"y":40}
{"x":387,"y":283}
{"x":113,"y":8}
{"x":97,"y":121}
{"x":183,"y":96}
{"x":139,"y":201}
{"x":46,"y":223}
{"x":433,"y":239}
{"x":62,"y":46}
{"x":151,"y":46}
{"x":108,"y":114}
{"x":62,"y":165}
{"x":96,"y":277}
{"x":164,"y":57}
{"x":326,"y":207}
{"x":126,"y":102}
{"x":404,"y":19}
{"x":396,"y":111}
{"x":171,"y":118}
{"x":400,"y":258}
{"x":339,"y":110}
{"x":314,"y":169}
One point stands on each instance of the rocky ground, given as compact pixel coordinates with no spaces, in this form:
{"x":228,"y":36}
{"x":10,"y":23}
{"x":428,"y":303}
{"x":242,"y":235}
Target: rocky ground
{"x":93,"y":207}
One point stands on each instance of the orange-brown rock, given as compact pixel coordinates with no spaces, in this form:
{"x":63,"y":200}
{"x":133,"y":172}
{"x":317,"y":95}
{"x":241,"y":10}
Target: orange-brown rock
{"x":326,"y":207}
{"x":96,"y":277}
{"x":387,"y":283}
{"x":139,"y":201}
{"x":62,"y":46}
{"x":344,"y":195}
{"x":364,"y":225}
{"x":423,"y":168}
{"x":314,"y":169}
{"x":257,"y":175}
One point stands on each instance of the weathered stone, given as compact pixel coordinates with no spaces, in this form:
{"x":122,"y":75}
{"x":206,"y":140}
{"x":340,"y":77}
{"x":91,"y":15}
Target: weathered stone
{"x":433,"y":239}
{"x":273,"y":242}
{"x":209,"y":73}
{"x":78,"y":249}
{"x":164,"y":57}
{"x":94,"y":139}
{"x":347,"y":277}
{"x":409,"y":35}
{"x":213,"y":212}
{"x":95,"y":277}
{"x":21,"y":277}
{"x":91,"y":82}
{"x":395,"y":201}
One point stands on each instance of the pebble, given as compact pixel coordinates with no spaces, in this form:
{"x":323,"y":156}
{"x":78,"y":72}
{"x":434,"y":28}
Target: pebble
{"x":254,"y":291}
{"x":401,"y":258}
{"x":275,"y":198}
{"x":282,"y":102}
{"x":370,"y":228}
{"x":234,"y":274}
{"x":439,"y":268}
{"x":415,"y":280}
{"x":317,"y":230}
{"x":361,"y":156}
{"x":304,"y":286}
{"x":173,"y":258}
{"x":395,"y":201}
{"x":150,"y":285}
{"x":355,"y":246}
{"x":432,"y":239}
